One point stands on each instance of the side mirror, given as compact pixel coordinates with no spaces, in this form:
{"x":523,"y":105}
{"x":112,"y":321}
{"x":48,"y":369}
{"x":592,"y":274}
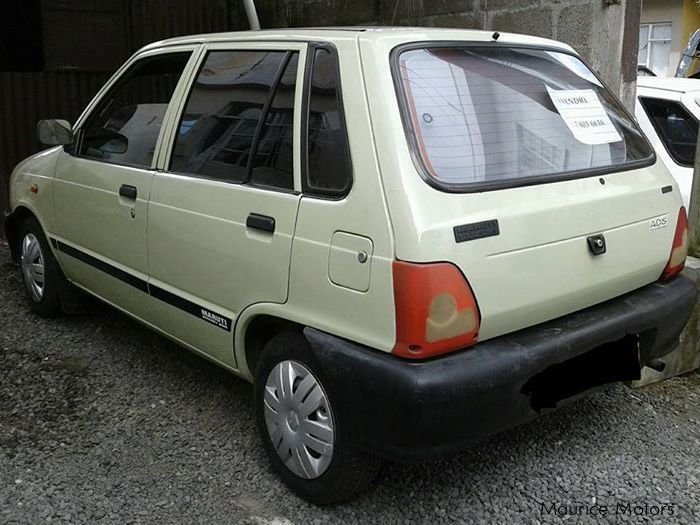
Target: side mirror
{"x":54,"y":132}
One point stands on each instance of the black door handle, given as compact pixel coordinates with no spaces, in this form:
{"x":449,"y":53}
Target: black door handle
{"x":128,"y":192}
{"x":261,"y":222}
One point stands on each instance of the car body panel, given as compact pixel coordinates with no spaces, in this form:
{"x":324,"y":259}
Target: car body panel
{"x":37,"y":169}
{"x":365,"y":316}
{"x":684,"y":91}
{"x":539,"y":266}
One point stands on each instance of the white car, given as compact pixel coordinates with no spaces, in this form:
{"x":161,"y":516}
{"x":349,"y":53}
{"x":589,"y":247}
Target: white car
{"x":668,"y":110}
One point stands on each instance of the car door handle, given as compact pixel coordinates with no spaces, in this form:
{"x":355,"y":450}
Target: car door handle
{"x":128,"y":192}
{"x":261,"y":222}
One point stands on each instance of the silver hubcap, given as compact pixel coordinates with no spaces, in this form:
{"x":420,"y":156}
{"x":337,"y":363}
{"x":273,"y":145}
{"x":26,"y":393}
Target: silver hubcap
{"x":298,"y":419}
{"x":33,"y":266}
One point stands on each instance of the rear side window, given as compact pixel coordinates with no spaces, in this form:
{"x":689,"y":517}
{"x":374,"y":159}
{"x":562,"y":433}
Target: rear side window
{"x":677,"y":129}
{"x":124,"y":126}
{"x":237,"y":123}
{"x":328,"y":167}
{"x":489,"y":117}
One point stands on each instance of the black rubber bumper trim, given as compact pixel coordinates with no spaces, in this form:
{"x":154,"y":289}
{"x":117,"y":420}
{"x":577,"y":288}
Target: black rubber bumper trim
{"x":407,"y":410}
{"x":211,"y":317}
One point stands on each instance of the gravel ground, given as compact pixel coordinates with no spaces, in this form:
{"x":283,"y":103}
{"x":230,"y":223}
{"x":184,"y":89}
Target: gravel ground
{"x":102,"y":421}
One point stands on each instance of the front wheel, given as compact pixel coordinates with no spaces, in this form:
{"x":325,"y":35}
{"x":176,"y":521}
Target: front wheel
{"x":302,"y":431}
{"x":43,"y":279}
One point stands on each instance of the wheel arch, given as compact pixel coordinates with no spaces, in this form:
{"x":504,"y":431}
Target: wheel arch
{"x":13,"y":222}
{"x":256,"y":326}
{"x":261,"y":329}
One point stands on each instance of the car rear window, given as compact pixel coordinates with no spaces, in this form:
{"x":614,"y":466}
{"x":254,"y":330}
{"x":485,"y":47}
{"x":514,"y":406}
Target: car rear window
{"x":498,"y":116}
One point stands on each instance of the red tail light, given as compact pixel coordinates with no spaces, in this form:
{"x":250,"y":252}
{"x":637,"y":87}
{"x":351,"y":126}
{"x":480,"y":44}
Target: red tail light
{"x":679,"y":250}
{"x":435,"y":310}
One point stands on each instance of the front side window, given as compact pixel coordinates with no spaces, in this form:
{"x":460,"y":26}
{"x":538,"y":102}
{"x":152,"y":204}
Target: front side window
{"x":487,"y":117}
{"x":677,"y":129}
{"x":124,"y":126}
{"x":237,"y":123}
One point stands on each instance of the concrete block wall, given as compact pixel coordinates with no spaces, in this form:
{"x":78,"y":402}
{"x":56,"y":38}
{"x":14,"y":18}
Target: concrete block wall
{"x":605,"y":32}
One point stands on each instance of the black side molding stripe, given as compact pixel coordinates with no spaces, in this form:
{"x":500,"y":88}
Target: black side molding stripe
{"x":191,"y":308}
{"x":181,"y":303}
{"x":134,"y":281}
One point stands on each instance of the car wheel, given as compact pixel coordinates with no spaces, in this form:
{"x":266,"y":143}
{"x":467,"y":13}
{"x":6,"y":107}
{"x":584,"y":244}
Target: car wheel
{"x":43,"y":279}
{"x":302,"y":430}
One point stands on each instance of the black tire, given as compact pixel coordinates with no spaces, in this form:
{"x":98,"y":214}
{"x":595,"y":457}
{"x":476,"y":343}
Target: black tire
{"x":54,"y":281}
{"x":350,"y":471}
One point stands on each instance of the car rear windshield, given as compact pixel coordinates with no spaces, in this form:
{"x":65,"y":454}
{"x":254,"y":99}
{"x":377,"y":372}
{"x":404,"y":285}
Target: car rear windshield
{"x":481,"y":117}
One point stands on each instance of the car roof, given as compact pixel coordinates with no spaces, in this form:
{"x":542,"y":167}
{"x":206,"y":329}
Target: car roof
{"x":331,"y":34}
{"x":677,"y":85}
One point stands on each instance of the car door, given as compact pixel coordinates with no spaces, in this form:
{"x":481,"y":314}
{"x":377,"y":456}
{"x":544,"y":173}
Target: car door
{"x":223,"y":207}
{"x":673,"y":130}
{"x":103,"y":180}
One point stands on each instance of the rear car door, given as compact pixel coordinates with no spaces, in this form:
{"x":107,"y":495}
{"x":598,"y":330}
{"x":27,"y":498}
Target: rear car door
{"x":223,"y":209}
{"x":104,"y":179}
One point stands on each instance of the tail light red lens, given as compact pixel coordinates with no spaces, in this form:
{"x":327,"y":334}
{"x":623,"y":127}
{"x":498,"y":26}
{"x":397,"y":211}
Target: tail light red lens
{"x":679,"y":250}
{"x":435,"y":310}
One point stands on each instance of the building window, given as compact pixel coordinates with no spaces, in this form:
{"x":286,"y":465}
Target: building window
{"x":655,"y":47}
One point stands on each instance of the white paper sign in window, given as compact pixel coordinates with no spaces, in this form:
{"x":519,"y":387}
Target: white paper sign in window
{"x":584,"y":115}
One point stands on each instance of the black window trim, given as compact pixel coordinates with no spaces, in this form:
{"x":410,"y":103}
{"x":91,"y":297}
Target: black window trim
{"x":659,"y":132}
{"x":77,"y":143}
{"x":288,"y":54}
{"x":261,"y":123}
{"x":306,"y":190}
{"x":477,"y":187}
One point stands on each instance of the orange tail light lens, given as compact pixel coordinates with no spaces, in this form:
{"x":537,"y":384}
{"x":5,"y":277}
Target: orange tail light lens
{"x":679,"y":250}
{"x":435,"y":310}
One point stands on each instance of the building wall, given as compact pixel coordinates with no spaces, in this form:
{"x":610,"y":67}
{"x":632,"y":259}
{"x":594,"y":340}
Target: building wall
{"x":596,"y":28}
{"x":73,"y":65}
{"x":684,"y":15}
{"x":691,"y":21}
{"x":69,"y":78}
{"x":667,"y":11}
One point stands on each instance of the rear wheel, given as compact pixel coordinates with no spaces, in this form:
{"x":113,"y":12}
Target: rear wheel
{"x":43,"y":279}
{"x":302,"y":431}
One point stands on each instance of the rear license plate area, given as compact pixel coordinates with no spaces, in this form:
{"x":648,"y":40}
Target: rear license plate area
{"x":608,"y":363}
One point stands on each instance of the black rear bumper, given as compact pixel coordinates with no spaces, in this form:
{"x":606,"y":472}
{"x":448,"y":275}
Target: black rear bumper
{"x":406,"y":410}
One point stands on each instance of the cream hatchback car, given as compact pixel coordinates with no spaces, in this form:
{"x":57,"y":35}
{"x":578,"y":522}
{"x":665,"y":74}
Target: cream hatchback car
{"x":407,"y":239}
